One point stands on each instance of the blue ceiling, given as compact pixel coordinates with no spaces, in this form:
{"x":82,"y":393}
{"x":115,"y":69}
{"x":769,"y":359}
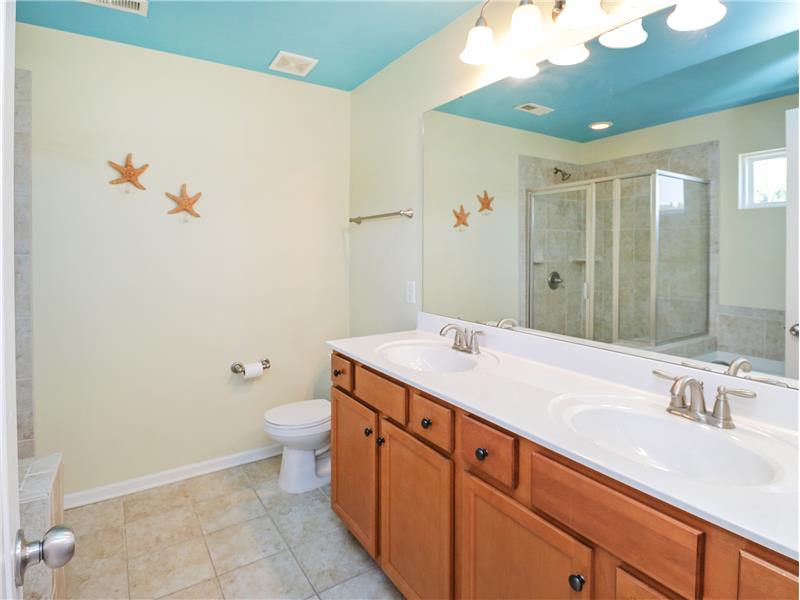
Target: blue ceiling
{"x":352,"y":40}
{"x":751,"y":55}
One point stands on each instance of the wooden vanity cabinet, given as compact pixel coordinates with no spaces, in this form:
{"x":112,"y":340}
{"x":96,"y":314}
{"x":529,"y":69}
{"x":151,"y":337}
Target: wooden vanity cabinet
{"x":762,"y":580}
{"x":354,"y":476}
{"x":416,"y":503}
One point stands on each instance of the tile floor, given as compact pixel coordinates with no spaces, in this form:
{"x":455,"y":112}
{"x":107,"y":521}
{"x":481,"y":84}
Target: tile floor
{"x":232,"y":534}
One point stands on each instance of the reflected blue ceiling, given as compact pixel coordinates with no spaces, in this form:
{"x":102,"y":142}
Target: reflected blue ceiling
{"x":352,"y":40}
{"x":751,"y":55}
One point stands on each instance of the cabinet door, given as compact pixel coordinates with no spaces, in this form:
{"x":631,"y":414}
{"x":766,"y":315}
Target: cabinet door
{"x":761,"y":580}
{"x":416,"y":515}
{"x":633,"y":588}
{"x":507,"y":551}
{"x":354,"y":475}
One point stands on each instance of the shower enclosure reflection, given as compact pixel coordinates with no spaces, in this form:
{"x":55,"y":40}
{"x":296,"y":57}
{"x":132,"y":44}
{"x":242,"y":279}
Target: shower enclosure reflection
{"x":632,"y":256}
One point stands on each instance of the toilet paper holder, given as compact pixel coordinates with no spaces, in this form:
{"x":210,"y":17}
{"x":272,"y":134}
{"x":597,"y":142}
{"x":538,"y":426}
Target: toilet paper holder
{"x":238,"y":368}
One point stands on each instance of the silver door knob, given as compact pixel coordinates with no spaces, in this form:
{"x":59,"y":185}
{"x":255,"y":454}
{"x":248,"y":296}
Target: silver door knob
{"x":794,"y":329}
{"x":55,"y":550}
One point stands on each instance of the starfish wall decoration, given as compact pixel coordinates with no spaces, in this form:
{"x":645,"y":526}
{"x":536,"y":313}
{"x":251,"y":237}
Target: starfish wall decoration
{"x":486,"y":202}
{"x":461,"y":217}
{"x":184,"y":201}
{"x":128,"y":173}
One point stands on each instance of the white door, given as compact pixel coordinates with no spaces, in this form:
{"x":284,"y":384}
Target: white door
{"x":792,"y":226}
{"x":9,"y":493}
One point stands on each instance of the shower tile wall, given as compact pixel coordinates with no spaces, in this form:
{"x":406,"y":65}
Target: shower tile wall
{"x":752,"y":332}
{"x":22,"y":261}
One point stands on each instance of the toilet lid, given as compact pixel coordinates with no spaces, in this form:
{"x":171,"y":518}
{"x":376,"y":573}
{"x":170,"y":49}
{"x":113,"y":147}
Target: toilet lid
{"x":299,"y":414}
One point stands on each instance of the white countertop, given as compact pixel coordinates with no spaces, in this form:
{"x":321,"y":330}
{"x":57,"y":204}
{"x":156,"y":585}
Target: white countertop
{"x":522,"y":395}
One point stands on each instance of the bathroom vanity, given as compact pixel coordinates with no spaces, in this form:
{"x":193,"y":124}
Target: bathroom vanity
{"x":494,"y":476}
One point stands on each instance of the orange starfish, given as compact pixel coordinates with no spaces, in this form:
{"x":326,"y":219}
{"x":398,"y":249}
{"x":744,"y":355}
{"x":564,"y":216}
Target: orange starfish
{"x":486,"y":201}
{"x":128,"y":173}
{"x":461,"y":217}
{"x":184,"y":201}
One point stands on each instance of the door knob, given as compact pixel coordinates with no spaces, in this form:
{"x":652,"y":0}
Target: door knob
{"x":481,"y":453}
{"x":576,"y":582}
{"x":367,"y":431}
{"x":55,"y":550}
{"x":380,"y":441}
{"x":426,"y":423}
{"x":795,"y":329}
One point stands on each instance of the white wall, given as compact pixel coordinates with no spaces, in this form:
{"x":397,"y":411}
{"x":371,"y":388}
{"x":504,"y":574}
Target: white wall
{"x":139,"y":314}
{"x":387,"y":157}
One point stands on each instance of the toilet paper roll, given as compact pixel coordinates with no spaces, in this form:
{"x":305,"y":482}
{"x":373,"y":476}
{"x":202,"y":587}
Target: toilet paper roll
{"x":253,"y":370}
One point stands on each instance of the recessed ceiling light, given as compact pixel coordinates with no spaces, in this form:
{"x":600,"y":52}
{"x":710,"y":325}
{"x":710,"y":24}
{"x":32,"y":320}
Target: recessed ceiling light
{"x":600,"y":125}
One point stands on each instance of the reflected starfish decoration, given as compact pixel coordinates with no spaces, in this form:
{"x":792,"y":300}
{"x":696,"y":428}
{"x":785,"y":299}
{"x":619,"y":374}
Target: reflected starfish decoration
{"x":461,"y":217}
{"x":128,"y":173}
{"x":184,"y":201}
{"x":486,"y":201}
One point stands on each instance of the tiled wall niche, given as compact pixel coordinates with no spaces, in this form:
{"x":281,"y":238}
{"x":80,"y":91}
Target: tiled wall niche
{"x":22,"y":261}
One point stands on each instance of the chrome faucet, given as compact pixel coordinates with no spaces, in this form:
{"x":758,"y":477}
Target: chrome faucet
{"x":721,"y":417}
{"x":464,"y":340}
{"x":739,"y":365}
{"x":507,"y":323}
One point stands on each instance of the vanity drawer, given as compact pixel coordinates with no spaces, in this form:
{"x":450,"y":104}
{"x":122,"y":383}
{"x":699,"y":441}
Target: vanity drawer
{"x":341,"y":372}
{"x":385,"y":396}
{"x":665,"y":549}
{"x":488,"y":450}
{"x":431,"y":421}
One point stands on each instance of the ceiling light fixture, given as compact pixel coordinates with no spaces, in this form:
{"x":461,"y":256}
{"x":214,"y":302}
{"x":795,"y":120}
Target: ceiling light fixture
{"x":526,"y":26}
{"x":600,"y":125}
{"x":480,"y":42}
{"x":520,"y":67}
{"x":580,"y":14}
{"x":629,"y":35}
{"x":569,"y":56}
{"x":691,"y":15}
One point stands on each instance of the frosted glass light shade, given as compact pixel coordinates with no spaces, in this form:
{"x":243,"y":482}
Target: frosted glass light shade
{"x":522,"y":68}
{"x":526,"y":27}
{"x":691,"y":15}
{"x":627,"y":36}
{"x":480,"y":46}
{"x":572,"y":55}
{"x":579,"y":14}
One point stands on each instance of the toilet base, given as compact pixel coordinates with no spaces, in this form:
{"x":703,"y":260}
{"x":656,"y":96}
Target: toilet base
{"x":302,"y":471}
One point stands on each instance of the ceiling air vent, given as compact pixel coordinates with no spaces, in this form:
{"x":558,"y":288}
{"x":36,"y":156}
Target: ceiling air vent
{"x":294,"y":64}
{"x":534,"y":109}
{"x":137,"y":7}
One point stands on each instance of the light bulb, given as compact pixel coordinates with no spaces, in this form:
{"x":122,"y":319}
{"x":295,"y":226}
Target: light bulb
{"x":520,"y":67}
{"x":480,"y":44}
{"x":571,"y":55}
{"x":691,"y":15}
{"x":627,"y":36}
{"x":579,"y":14}
{"x":526,"y":26}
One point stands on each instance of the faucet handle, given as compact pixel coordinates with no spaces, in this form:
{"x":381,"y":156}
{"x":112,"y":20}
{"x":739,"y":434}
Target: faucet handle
{"x":735,"y":392}
{"x":472,"y":341}
{"x":721,"y":416}
{"x":665,"y":375}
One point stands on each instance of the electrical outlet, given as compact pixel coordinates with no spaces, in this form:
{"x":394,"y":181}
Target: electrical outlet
{"x":411,"y":292}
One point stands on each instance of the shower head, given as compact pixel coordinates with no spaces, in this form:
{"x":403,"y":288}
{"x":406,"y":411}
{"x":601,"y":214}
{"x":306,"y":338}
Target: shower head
{"x":564,"y":175}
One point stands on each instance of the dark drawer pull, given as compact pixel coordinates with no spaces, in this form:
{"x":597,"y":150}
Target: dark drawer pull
{"x":338,"y":372}
{"x":380,"y":441}
{"x":481,"y":453}
{"x":367,"y":431}
{"x":576,"y":582}
{"x":426,"y":423}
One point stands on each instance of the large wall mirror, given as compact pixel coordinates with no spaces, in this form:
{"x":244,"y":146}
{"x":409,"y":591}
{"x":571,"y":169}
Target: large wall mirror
{"x":637,"y":199}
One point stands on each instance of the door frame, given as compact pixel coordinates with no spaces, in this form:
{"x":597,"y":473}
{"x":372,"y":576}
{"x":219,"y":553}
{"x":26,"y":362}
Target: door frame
{"x":9,"y":486}
{"x":792,"y":353}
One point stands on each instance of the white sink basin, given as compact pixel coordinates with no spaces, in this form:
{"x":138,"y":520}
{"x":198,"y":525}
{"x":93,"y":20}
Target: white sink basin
{"x":433,"y":356}
{"x":637,"y":431}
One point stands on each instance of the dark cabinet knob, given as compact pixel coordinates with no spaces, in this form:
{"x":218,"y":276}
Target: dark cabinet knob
{"x":337,"y":372}
{"x":426,"y":423}
{"x":380,"y":441}
{"x":367,"y":431}
{"x":576,"y":582}
{"x":481,"y":453}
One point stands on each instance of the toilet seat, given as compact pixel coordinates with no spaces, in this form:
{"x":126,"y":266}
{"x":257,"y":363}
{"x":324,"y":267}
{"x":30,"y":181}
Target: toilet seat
{"x":303,"y":415}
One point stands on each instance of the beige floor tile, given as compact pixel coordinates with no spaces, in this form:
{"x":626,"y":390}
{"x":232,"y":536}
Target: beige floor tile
{"x":97,"y":579}
{"x":92,"y":517}
{"x":372,"y":585}
{"x":155,"y":501}
{"x":216,"y":484}
{"x":228,"y":510}
{"x":206,"y":590}
{"x":99,"y":544}
{"x":261,"y":472}
{"x":332,"y":558}
{"x":309,"y":518}
{"x":244,"y":543}
{"x":170,"y":569}
{"x":161,"y":530}
{"x":276,"y":500}
{"x":326,"y":489}
{"x":278,"y":576}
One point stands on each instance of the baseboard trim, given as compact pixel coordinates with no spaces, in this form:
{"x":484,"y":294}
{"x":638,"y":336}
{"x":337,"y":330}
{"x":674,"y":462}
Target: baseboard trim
{"x":137,"y":484}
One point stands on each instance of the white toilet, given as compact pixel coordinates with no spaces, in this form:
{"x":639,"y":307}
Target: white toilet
{"x":304,"y":429}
